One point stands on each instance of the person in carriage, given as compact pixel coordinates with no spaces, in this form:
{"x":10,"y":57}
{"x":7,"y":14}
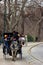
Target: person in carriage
{"x":6,"y":44}
{"x":16,"y":36}
{"x":20,"y":40}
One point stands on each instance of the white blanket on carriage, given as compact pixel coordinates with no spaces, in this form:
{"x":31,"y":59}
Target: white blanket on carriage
{"x":22,"y":39}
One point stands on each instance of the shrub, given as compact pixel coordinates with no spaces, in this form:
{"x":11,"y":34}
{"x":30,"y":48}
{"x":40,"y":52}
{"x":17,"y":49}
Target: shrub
{"x":30,"y":38}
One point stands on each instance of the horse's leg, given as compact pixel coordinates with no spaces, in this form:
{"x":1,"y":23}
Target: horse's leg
{"x":14,"y":55}
{"x":21,"y":53}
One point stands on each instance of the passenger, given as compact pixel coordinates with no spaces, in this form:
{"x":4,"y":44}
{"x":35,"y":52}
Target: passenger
{"x":5,"y":45}
{"x":16,"y":35}
{"x":9,"y":41}
{"x":5,"y":41}
{"x":22,"y":39}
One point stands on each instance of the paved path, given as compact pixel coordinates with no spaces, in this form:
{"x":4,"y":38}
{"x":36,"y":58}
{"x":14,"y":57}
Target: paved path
{"x":29,"y":57}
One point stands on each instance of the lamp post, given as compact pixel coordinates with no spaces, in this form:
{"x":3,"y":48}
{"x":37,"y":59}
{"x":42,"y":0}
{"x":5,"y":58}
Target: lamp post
{"x":9,"y":14}
{"x":4,"y":30}
{"x":4,"y":16}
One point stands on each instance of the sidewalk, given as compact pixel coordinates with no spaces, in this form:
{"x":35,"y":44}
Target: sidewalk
{"x":32,"y":43}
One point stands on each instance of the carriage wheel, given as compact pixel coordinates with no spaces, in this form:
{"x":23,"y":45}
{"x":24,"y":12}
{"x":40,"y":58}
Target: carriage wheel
{"x":5,"y":53}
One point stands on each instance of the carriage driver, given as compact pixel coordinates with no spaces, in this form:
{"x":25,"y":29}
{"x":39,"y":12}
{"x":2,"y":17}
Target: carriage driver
{"x":16,"y":35}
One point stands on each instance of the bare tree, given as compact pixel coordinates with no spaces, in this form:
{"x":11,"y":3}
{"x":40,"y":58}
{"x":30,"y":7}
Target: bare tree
{"x":16,"y":10}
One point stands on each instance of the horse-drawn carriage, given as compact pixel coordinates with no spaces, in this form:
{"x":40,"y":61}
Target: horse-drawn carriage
{"x":11,"y":46}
